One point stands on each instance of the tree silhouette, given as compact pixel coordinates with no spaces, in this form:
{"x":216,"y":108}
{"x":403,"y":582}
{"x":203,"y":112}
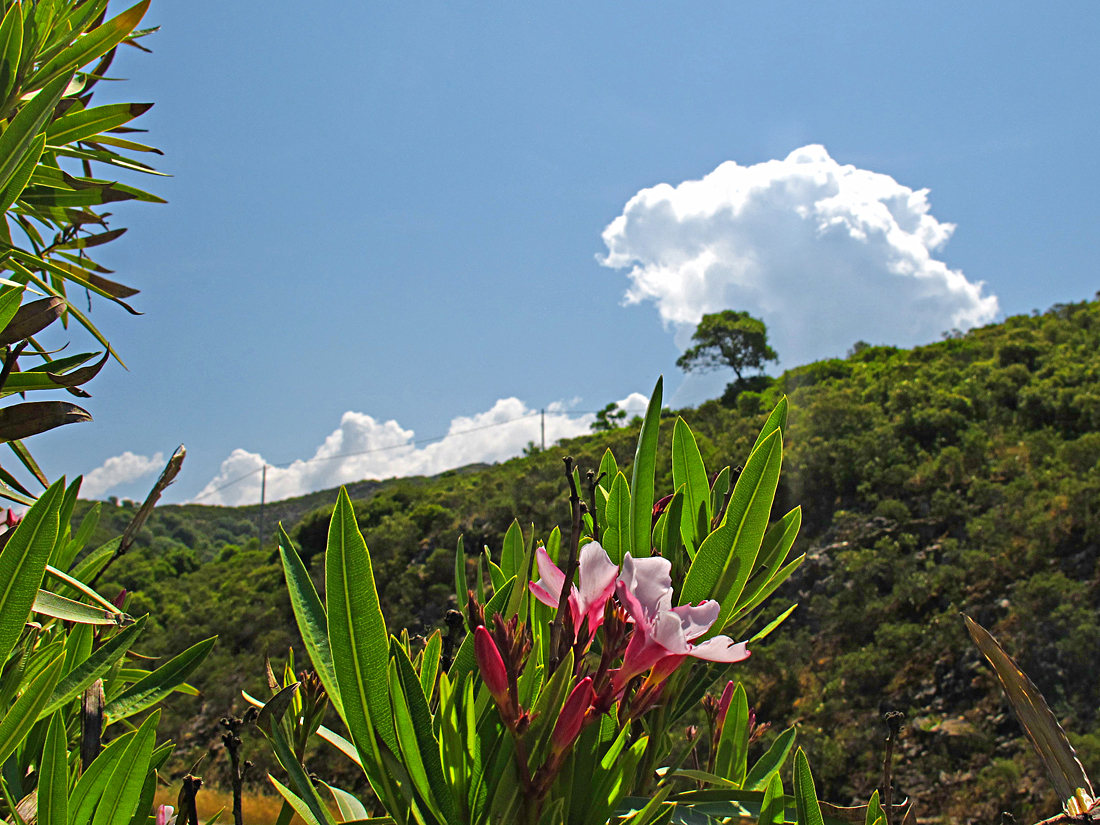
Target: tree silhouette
{"x":728,"y":339}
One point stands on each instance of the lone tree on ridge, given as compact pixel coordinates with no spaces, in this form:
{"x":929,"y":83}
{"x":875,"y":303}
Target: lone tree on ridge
{"x":728,"y":339}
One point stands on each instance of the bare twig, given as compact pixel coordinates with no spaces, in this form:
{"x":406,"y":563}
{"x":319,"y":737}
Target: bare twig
{"x":558,"y":646}
{"x":232,"y":741}
{"x":893,"y":723}
{"x":10,"y":358}
{"x":171,"y":470}
{"x":187,"y":812}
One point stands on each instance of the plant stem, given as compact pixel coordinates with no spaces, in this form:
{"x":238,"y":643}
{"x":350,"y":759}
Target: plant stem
{"x":558,"y":646}
{"x":893,"y":724}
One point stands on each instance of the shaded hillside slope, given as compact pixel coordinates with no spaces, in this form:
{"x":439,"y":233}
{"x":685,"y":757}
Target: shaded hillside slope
{"x":959,"y":476}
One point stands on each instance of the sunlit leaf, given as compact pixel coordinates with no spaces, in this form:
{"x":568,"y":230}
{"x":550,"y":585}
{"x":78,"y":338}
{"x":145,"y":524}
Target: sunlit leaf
{"x":642,"y":479}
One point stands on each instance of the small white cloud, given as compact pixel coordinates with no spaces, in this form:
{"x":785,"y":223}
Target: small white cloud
{"x":826,"y":254}
{"x":117,"y":470}
{"x":362,"y":447}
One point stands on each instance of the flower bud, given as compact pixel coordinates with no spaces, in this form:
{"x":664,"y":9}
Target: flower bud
{"x":165,"y":815}
{"x":491,"y":665}
{"x":724,"y":702}
{"x":571,"y":719}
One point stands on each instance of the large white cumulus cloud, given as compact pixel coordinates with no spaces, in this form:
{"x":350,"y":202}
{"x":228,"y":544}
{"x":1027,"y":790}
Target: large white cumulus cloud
{"x":826,"y":254}
{"x":363,"y":447}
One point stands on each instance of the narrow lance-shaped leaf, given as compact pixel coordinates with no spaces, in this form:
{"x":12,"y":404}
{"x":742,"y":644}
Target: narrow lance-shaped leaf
{"x":94,"y":667}
{"x":53,"y":781}
{"x":89,"y":122}
{"x":689,"y":471}
{"x":773,"y":808}
{"x":351,"y":809}
{"x":58,"y":607}
{"x":10,"y":299}
{"x":727,"y":557}
{"x":21,"y":717}
{"x":270,"y":723}
{"x":733,"y":745}
{"x":1042,"y":728}
{"x":31,"y":319}
{"x":309,"y":613}
{"x":158,"y":684}
{"x":123,"y":790}
{"x":875,"y":813}
{"x":777,"y":420}
{"x":615,"y":535}
{"x":89,"y":788}
{"x":641,"y":482}
{"x":23,"y":563}
{"x":79,"y":586}
{"x":20,"y":136}
{"x":511,"y":556}
{"x":428,"y":745}
{"x":768,"y":765}
{"x":21,"y":421}
{"x":13,"y":189}
{"x":97,"y":42}
{"x":296,"y":802}
{"x":11,"y":48}
{"x":461,"y":586}
{"x":805,"y":794}
{"x":429,"y":665}
{"x":356,"y":629}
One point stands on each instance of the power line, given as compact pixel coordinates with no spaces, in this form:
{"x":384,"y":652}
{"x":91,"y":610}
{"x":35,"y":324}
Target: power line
{"x":384,"y":449}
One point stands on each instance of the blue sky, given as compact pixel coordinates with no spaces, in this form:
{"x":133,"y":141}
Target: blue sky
{"x":393,"y":212}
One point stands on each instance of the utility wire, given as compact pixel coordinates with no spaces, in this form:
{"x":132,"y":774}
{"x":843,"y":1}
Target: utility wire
{"x":380,"y":449}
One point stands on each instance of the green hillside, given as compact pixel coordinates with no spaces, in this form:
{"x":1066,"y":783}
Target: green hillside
{"x":959,"y":476}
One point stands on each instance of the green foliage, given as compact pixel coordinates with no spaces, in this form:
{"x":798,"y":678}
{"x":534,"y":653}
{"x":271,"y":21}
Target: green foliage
{"x":58,"y":654}
{"x":960,"y":476}
{"x":728,"y":339}
{"x":52,"y":57}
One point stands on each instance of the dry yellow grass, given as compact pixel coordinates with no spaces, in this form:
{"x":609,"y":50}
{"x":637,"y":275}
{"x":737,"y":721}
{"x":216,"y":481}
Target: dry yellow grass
{"x":258,"y":809}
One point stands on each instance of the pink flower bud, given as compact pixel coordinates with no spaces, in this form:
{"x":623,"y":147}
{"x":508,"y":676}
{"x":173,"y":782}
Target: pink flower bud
{"x":164,"y":815}
{"x":724,"y":702}
{"x":571,"y":719}
{"x":491,"y":665}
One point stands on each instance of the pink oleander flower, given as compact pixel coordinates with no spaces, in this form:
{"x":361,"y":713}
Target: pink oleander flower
{"x":597,"y":583}
{"x":571,"y":719}
{"x":166,"y":815}
{"x":491,"y":665}
{"x":663,"y":635}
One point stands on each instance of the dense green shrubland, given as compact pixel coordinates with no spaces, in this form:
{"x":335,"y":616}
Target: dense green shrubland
{"x":956,"y":476}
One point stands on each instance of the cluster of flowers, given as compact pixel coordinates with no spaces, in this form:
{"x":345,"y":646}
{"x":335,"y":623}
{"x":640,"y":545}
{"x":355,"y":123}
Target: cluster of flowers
{"x":633,"y":606}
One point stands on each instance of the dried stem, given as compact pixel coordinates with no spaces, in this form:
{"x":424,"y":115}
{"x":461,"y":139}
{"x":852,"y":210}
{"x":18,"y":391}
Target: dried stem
{"x":91,"y":724}
{"x":557,"y":645}
{"x":893,"y":724}
{"x":232,"y":741}
{"x":187,"y":812}
{"x":11,"y":357}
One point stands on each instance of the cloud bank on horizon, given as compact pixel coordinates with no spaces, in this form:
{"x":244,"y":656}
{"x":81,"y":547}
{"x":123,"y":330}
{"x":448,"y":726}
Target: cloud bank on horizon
{"x":827,"y":254}
{"x":117,"y":470}
{"x":363,"y":447}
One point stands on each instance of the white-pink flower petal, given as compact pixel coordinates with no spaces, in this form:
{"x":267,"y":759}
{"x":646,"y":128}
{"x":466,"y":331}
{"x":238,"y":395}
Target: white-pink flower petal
{"x":645,"y":587}
{"x":720,"y":649}
{"x":697,"y":619}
